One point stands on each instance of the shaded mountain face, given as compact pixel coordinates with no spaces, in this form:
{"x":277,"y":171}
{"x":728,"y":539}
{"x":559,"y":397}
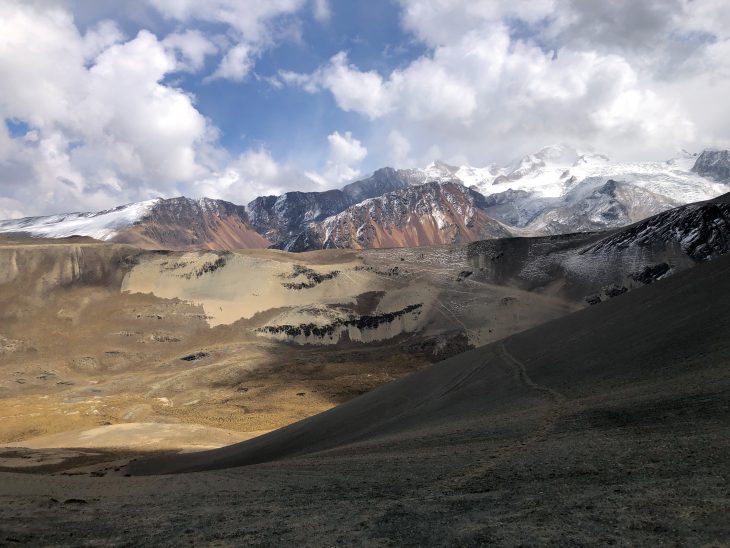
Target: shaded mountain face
{"x":594,"y":267}
{"x":282,"y":218}
{"x":714,"y":164}
{"x":597,"y":205}
{"x":701,"y":231}
{"x":428,"y":214}
{"x":177,"y":223}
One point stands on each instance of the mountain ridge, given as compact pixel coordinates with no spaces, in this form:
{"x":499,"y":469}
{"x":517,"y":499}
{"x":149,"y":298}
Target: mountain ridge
{"x":555,"y":190}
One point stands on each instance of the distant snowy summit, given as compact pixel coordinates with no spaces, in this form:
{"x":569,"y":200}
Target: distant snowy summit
{"x":555,"y":190}
{"x":177,"y":223}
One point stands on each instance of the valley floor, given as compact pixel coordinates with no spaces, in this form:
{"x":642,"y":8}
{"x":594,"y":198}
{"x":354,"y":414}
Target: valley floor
{"x":555,"y":473}
{"x":607,"y":426}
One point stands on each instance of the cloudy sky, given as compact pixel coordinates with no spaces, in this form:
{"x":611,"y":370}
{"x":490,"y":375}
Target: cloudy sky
{"x":106,"y":102}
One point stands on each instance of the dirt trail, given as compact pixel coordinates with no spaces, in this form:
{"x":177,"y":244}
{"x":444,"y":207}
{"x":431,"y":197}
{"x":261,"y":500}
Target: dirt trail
{"x":522,"y":376}
{"x":557,"y":407}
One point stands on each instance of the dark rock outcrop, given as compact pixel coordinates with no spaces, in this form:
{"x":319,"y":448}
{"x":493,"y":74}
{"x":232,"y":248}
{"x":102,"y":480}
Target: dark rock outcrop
{"x":701,"y":230}
{"x":284,"y":219}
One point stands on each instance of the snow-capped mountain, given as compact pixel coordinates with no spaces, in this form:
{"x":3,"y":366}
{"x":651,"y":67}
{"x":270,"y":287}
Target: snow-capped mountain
{"x":102,"y":225}
{"x":425,"y":214}
{"x":559,"y":189}
{"x":176,"y":223}
{"x":555,"y":190}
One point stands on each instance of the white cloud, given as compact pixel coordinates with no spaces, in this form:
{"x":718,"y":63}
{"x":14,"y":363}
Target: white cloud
{"x":236,"y":63}
{"x":102,"y":35}
{"x":6,"y":143}
{"x":191,"y":47}
{"x":440,"y":22}
{"x":398,"y":150}
{"x":250,"y":19}
{"x":345,"y":149}
{"x":101,"y":127}
{"x":489,"y":89}
{"x":345,"y":155}
{"x":253,"y":173}
{"x":322,"y":10}
{"x":353,"y":90}
{"x":255,"y":25}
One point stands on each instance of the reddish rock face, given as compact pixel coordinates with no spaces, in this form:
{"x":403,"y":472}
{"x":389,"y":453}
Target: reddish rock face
{"x":429,"y":214}
{"x":182,"y":223}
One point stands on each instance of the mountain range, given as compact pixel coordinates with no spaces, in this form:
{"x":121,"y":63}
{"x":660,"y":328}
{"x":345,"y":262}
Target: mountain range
{"x":557,"y":190}
{"x":574,"y":374}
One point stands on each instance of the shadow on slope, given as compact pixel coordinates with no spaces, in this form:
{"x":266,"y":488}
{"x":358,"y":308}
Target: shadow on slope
{"x":655,"y":358}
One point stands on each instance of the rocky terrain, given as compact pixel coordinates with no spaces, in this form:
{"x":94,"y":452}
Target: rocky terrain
{"x":182,"y":223}
{"x":99,"y":334}
{"x":283,"y":218}
{"x":428,"y":214}
{"x":556,"y":435}
{"x":94,"y":335}
{"x":714,"y":164}
{"x":557,"y":190}
{"x":284,"y":378}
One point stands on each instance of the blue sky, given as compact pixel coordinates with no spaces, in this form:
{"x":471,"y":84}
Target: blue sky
{"x":110,"y":102}
{"x":290,"y":124}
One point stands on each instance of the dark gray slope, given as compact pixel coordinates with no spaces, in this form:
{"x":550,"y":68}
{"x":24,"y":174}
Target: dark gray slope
{"x":654,"y":361}
{"x":581,"y":265}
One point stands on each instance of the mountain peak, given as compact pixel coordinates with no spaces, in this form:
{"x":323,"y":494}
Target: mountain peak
{"x":558,"y":154}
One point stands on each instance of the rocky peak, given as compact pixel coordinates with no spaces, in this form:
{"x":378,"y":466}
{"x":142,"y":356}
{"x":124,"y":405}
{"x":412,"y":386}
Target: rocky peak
{"x":714,"y":164}
{"x":426,"y":214}
{"x":281,"y":218}
{"x":181,"y":208}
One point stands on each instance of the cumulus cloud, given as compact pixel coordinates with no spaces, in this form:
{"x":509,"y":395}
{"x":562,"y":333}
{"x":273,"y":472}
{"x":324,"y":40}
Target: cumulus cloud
{"x":345,"y":155}
{"x":251,"y":20}
{"x":105,"y":125}
{"x":191,"y":48}
{"x":256,"y":173}
{"x":236,"y":63}
{"x":252,"y":173}
{"x":398,"y":150}
{"x":253,"y":25}
{"x":502,"y":78}
{"x":354,"y":90}
{"x":99,"y":37}
{"x":101,"y":128}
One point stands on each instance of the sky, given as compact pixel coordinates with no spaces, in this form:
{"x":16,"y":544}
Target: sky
{"x":107,"y":102}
